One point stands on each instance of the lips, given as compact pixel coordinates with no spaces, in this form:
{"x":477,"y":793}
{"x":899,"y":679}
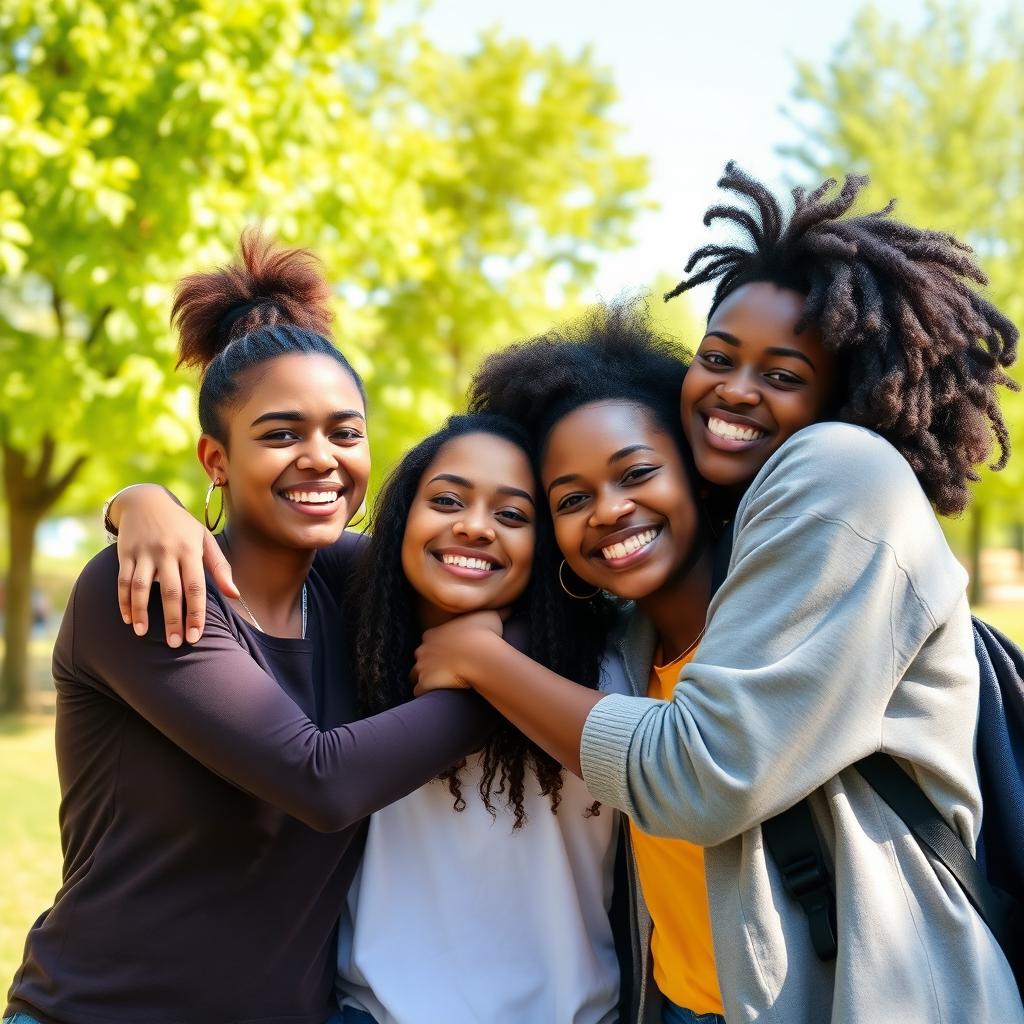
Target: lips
{"x":320,"y":498}
{"x":624,"y":547}
{"x":468,"y":564}
{"x":730,"y":432}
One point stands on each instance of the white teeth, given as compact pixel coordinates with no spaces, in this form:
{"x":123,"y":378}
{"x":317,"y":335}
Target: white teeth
{"x":732,"y":431}
{"x":467,"y":563}
{"x":312,"y":497}
{"x":630,"y":545}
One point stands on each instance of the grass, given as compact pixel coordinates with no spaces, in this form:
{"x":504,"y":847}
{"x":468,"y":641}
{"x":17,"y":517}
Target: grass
{"x":30,"y":858}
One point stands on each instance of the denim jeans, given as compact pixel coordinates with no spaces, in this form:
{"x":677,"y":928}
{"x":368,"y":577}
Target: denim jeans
{"x":20,"y":1018}
{"x":672,"y":1014}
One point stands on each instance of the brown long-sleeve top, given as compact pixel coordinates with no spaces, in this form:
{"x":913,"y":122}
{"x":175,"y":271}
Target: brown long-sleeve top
{"x":212,"y":800}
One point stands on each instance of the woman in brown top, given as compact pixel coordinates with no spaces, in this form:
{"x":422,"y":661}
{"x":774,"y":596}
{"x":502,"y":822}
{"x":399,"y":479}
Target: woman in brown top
{"x":212,"y":791}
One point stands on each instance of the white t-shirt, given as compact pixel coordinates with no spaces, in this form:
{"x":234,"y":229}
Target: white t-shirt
{"x":454,"y":918}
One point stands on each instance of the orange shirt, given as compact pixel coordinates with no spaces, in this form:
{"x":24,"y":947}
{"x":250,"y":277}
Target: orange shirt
{"x":672,"y":878}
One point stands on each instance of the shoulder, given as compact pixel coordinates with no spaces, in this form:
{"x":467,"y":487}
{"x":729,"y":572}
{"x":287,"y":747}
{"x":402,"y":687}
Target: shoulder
{"x":843,"y":472}
{"x":836,"y":476}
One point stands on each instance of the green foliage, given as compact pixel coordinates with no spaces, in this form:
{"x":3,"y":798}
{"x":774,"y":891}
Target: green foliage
{"x":450,"y":198}
{"x":934,"y":116}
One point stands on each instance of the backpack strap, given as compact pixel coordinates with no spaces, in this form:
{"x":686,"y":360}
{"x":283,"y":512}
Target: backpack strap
{"x":796,"y":848}
{"x":929,"y":828}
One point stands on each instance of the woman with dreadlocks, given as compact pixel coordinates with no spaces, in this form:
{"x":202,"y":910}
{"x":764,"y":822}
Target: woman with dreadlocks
{"x":845,"y":385}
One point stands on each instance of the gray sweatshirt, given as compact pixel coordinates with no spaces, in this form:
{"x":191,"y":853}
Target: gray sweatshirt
{"x":841,"y":629}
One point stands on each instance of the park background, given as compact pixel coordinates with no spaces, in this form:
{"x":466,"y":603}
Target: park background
{"x":469,"y":173}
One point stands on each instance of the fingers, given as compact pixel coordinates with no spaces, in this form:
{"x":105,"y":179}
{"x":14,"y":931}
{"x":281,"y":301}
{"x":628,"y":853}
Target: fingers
{"x":169,"y":572}
{"x":141,"y":582}
{"x":194,"y":584}
{"x":125,"y":575}
{"x":220,"y":570}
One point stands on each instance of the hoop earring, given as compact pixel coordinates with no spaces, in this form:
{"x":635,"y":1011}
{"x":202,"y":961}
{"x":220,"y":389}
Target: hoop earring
{"x":206,"y":506}
{"x":575,"y":597}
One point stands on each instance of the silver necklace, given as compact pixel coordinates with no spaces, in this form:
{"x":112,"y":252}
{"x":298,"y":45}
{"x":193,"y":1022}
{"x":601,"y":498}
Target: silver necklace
{"x":248,"y":611}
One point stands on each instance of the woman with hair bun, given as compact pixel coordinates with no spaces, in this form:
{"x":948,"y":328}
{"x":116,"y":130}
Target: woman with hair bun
{"x":212,"y":791}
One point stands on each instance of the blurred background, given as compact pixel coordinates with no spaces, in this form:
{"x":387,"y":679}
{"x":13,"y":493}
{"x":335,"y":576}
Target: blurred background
{"x":469,"y":173}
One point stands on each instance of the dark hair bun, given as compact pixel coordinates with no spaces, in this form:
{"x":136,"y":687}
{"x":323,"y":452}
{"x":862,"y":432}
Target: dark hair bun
{"x":269,"y":285}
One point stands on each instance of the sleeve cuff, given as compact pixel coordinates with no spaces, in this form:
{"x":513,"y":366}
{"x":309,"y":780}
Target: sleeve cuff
{"x":604,"y":747}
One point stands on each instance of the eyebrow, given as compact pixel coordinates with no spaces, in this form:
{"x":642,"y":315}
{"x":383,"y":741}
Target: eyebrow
{"x":292,"y":416}
{"x":461,"y":481}
{"x":731,"y":339}
{"x":622,"y":453}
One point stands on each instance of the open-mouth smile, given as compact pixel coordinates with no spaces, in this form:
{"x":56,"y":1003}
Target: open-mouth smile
{"x":313,"y":502}
{"x":627,"y":547}
{"x":476,"y":566}
{"x":729,"y":436}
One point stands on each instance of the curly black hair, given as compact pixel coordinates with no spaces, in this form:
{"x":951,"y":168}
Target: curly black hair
{"x":564,"y":635}
{"x":611,"y":353}
{"x":921,"y":351}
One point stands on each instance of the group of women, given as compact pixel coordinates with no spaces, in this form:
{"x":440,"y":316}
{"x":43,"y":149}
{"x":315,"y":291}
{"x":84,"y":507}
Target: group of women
{"x":505,"y":757}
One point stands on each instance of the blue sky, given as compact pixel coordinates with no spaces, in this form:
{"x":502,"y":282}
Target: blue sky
{"x":699,"y":83}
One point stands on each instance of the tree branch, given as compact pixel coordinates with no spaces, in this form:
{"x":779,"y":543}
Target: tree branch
{"x":58,"y":311}
{"x":97,"y":325}
{"x":52,"y":493}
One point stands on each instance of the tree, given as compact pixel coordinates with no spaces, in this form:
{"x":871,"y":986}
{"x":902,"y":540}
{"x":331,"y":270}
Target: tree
{"x":934,"y":117}
{"x":447,"y":196}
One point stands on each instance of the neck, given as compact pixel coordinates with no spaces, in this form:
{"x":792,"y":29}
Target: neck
{"x":431,"y":615}
{"x":679,"y":609}
{"x":269,"y":578}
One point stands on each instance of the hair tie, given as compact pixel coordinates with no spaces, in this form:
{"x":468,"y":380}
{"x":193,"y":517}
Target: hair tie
{"x":235,"y":313}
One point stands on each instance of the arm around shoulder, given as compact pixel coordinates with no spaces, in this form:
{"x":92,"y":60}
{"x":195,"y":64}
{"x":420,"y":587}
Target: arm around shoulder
{"x":819,"y":617}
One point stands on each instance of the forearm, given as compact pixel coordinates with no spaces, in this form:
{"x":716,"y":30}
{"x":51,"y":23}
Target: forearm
{"x":114,"y":508}
{"x":547,"y":707}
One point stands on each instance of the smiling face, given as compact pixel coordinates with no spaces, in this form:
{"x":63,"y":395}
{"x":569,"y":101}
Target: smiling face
{"x":469,"y":536}
{"x":753,"y":383}
{"x":621,"y":500}
{"x":297,"y":458}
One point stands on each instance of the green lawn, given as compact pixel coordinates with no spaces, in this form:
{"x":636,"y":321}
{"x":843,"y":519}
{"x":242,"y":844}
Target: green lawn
{"x":30,"y":858}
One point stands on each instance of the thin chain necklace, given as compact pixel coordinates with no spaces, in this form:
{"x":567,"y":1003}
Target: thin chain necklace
{"x":248,"y":611}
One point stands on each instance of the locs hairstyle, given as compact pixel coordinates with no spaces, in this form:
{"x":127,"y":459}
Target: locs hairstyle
{"x":921,"y":351}
{"x":273,"y":302}
{"x":564,"y":635}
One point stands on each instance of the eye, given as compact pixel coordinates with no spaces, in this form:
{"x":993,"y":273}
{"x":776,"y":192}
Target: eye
{"x":570,"y":502}
{"x":445,"y":502}
{"x":513,"y":516}
{"x":637,"y":473}
{"x":280,"y":435}
{"x":785,"y":377}
{"x":716,"y":359}
{"x":347,"y":434}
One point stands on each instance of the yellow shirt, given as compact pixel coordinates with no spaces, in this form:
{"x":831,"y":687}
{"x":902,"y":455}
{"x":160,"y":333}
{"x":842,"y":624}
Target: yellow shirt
{"x":672,"y":878}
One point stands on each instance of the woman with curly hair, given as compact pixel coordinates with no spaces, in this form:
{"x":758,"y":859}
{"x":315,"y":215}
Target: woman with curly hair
{"x":846,"y":383}
{"x":213,"y":791}
{"x":525,"y":881}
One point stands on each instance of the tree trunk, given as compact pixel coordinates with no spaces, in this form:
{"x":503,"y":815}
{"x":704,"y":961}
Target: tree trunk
{"x":21,"y":535}
{"x":976,"y":594}
{"x":31,"y":493}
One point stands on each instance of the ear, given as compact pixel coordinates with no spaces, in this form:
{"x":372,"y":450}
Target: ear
{"x":214,"y":457}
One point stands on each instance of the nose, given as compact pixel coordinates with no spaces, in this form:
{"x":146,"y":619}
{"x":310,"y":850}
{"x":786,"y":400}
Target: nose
{"x":738,"y":389}
{"x":609,"y":507}
{"x":318,"y":454}
{"x":474,"y":525}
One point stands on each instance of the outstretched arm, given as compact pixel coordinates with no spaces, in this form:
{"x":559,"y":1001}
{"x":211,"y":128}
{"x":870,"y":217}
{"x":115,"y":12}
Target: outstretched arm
{"x":215,"y":702}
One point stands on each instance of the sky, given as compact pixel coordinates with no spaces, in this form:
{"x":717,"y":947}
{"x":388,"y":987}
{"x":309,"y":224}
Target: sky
{"x":699,"y":83}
